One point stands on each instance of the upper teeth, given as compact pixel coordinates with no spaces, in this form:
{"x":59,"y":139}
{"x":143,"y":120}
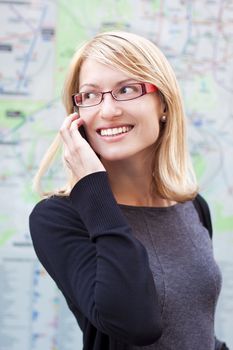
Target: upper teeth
{"x":115,"y":131}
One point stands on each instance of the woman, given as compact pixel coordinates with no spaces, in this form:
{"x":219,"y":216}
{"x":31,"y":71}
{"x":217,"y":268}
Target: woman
{"x":122,"y":239}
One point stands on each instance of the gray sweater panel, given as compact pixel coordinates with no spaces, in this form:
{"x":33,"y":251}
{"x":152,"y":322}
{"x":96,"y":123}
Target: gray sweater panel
{"x":185,"y":273}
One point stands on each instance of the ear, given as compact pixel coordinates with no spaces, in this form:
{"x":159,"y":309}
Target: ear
{"x":163,"y":104}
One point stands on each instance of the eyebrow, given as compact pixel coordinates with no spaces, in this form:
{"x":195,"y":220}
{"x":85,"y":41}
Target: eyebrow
{"x":97,"y":86}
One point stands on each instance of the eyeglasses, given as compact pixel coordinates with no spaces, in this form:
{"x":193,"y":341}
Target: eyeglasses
{"x":123,"y":93}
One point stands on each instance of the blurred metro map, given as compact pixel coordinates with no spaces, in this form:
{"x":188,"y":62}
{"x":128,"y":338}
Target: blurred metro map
{"x":37,"y":40}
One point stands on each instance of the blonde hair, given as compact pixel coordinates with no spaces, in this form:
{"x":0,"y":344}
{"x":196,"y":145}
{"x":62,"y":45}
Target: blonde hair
{"x":139,"y":58}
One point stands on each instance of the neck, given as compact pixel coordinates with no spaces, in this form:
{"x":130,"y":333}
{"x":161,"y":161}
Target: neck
{"x":130,"y":182}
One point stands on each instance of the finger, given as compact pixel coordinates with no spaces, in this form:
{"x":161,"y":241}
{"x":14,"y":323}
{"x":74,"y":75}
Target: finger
{"x":73,"y":139}
{"x":68,"y":120}
{"x":74,"y":127}
{"x":78,"y":133}
{"x":65,"y":128}
{"x":65,"y":154}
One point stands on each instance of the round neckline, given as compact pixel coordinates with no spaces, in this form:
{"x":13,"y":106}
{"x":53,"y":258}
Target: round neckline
{"x":140,"y":207}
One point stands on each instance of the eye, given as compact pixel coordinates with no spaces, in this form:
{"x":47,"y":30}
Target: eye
{"x":128,"y":89}
{"x":128,"y":92}
{"x":89,"y":95}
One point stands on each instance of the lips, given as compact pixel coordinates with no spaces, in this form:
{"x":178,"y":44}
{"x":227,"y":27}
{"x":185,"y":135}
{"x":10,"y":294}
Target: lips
{"x":114,"y":131}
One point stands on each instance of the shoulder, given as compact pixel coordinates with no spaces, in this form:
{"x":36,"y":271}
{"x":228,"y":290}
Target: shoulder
{"x":201,"y":205}
{"x":203,"y":210}
{"x":201,"y":200}
{"x":51,"y":206}
{"x":52,"y":213}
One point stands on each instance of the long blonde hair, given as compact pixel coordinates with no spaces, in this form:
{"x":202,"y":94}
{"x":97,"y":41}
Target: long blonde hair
{"x":173,"y":175}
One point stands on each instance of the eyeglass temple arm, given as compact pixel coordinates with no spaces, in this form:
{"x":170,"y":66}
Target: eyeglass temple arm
{"x":150,"y":87}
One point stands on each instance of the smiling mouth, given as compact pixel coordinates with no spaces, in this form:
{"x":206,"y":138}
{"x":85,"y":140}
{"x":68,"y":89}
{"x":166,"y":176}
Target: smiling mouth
{"x":115,"y":131}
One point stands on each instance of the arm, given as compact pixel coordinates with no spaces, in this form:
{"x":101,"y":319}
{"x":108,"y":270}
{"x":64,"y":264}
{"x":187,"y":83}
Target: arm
{"x":204,"y":214}
{"x":105,"y":273}
{"x":220,"y":345}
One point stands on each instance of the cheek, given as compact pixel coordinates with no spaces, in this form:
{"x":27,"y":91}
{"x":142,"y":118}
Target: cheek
{"x":91,"y":135}
{"x":152,"y":126}
{"x":91,"y":139}
{"x":149,"y":111}
{"x":153,"y":133}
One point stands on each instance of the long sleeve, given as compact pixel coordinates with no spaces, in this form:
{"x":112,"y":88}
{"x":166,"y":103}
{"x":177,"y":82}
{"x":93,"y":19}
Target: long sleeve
{"x":87,"y":246}
{"x":219,"y":345}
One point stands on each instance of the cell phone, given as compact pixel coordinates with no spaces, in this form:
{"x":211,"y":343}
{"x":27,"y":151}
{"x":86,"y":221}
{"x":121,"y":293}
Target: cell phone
{"x":82,"y":132}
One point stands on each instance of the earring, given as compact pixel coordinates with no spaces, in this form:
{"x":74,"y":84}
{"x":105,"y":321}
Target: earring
{"x":163,"y":119}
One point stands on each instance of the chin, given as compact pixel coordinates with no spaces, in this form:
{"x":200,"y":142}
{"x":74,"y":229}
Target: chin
{"x":116,"y":156}
{"x":113,"y":154}
{"x":110,"y":153}
{"x":112,"y":158}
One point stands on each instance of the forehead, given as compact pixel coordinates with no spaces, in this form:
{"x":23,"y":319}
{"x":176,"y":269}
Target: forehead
{"x":94,"y":72}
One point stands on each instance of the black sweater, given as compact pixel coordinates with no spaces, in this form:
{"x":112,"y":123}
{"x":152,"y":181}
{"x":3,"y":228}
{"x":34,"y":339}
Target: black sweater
{"x":87,"y":247}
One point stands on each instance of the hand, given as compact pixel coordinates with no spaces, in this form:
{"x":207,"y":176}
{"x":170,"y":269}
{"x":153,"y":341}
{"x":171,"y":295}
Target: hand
{"x":79,"y":155}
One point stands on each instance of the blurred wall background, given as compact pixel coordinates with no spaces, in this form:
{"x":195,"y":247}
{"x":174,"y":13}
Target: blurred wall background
{"x":37,"y":40}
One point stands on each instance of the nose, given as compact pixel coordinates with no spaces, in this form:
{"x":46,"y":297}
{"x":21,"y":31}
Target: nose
{"x":109,"y":108}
